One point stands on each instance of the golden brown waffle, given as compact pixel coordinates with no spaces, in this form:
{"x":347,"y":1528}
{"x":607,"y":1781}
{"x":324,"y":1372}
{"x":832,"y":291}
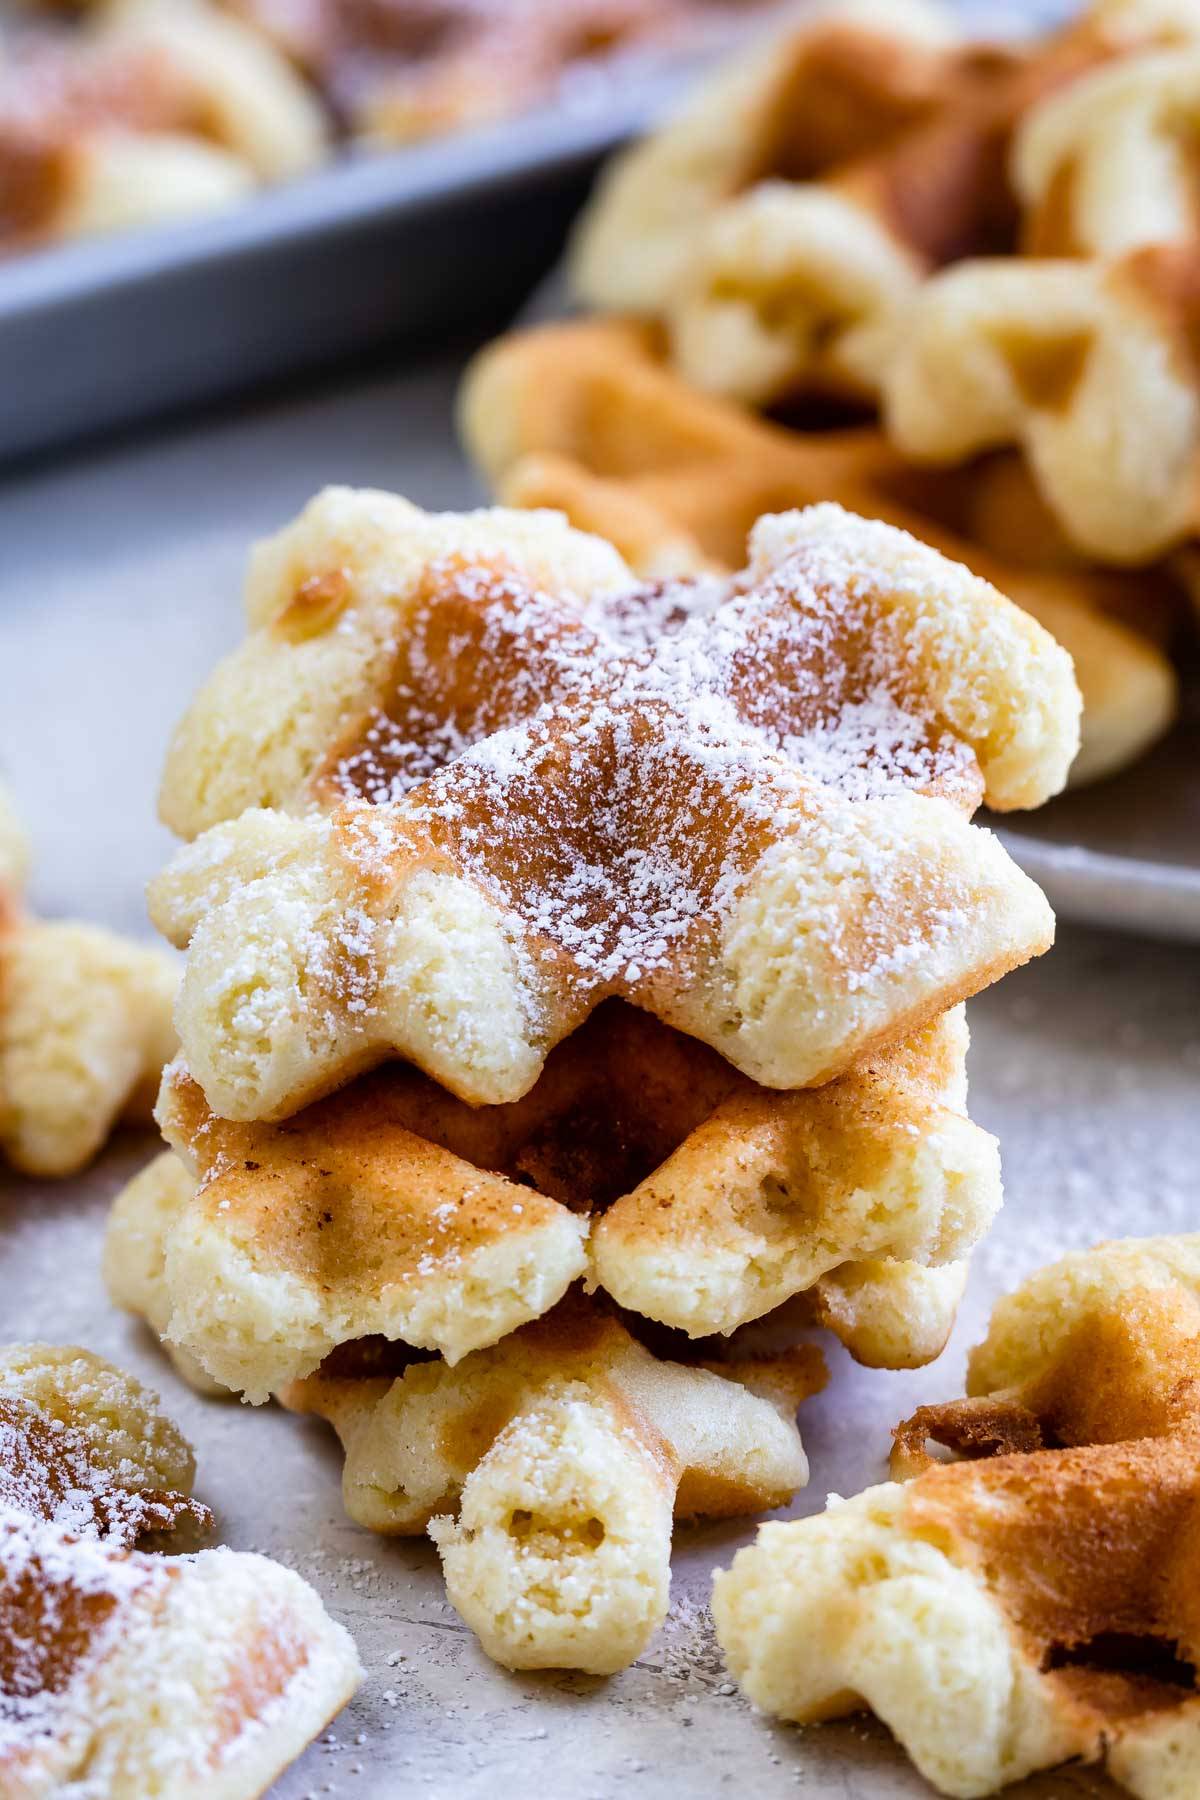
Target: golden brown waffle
{"x":1098,"y":1348}
{"x":1034,"y":1603}
{"x":640,"y":1161}
{"x":1001,"y":1617}
{"x":155,"y":113}
{"x":742,"y":807}
{"x":1089,"y":367}
{"x":547,"y":1471}
{"x":1081,"y":352}
{"x":802,"y":197}
{"x":587,"y":417}
{"x":85,"y":1027}
{"x":113,"y":1679}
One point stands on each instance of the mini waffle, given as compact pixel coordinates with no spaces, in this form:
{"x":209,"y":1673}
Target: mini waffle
{"x":88,"y":1450}
{"x":1009,"y":1614}
{"x":395,"y":1209}
{"x":1098,"y":1348}
{"x":113,"y":1679}
{"x":1001,"y":1617}
{"x":1088,"y":367}
{"x":157,"y":113}
{"x":548,"y":1470}
{"x":806,"y":193}
{"x":85,"y":1027}
{"x":742,"y":807}
{"x":586,"y":417}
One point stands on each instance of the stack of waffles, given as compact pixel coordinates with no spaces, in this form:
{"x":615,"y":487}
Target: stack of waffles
{"x":574,"y":975}
{"x":960,"y":282}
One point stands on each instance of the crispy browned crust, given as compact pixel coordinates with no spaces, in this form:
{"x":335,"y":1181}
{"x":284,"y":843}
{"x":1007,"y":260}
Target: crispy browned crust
{"x":970,"y":1428}
{"x":1126,"y":1370}
{"x":1093,"y":1554}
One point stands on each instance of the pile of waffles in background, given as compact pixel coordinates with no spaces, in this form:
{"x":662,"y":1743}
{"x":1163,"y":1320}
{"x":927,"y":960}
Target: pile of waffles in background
{"x":957,"y":282}
{"x":118,"y":113}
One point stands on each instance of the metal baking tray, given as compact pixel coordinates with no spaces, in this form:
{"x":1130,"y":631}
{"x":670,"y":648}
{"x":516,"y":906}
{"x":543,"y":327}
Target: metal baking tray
{"x":375,"y":249}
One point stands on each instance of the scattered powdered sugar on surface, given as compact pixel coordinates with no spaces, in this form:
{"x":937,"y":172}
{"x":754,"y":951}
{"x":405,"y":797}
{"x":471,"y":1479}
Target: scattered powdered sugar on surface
{"x":612,"y":773}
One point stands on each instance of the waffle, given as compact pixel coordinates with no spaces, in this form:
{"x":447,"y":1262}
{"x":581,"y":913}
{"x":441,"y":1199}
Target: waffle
{"x":803,"y":197}
{"x":586,"y":417}
{"x":399,"y":70}
{"x":14,"y":856}
{"x":1032,"y":1604}
{"x":1101,"y":1347}
{"x":113,"y":1679}
{"x":88,"y":1450}
{"x":158,"y":113}
{"x":85,"y":1027}
{"x":1062,"y":357}
{"x":1001,"y":1617}
{"x":640,"y":1161}
{"x":804,"y":889}
{"x":547,"y":1471}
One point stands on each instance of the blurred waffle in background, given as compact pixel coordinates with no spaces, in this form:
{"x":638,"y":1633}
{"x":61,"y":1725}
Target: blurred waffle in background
{"x":134,"y":111}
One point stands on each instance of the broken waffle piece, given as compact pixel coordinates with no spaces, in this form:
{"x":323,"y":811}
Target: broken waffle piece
{"x":1100,"y":1347}
{"x":804,"y":889}
{"x":548,"y":1469}
{"x":640,"y":1161}
{"x":85,"y":1028}
{"x":125,"y":1674}
{"x":586,"y":417}
{"x":1000,"y":1617}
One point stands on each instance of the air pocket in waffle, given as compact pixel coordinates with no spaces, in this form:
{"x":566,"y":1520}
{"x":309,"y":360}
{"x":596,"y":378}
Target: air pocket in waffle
{"x":743,"y":807}
{"x":640,"y":1161}
{"x":113,"y":1679}
{"x":85,"y":1027}
{"x":548,"y":1471}
{"x":587,"y":417}
{"x":1034,"y":1604}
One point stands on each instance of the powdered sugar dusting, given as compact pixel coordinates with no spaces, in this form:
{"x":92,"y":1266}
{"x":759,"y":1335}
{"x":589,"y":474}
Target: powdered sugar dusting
{"x":612,"y":772}
{"x":48,"y":1470}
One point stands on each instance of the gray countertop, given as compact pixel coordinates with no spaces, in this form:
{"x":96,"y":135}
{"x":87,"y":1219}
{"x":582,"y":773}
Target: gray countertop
{"x":119,"y":586}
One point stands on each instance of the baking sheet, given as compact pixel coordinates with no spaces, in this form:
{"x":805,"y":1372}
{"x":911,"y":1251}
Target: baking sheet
{"x":376,"y":248}
{"x":118,"y":589}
